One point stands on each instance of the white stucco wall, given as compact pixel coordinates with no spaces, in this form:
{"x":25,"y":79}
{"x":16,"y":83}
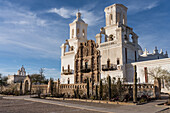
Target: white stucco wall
{"x":64,"y":79}
{"x":116,"y":73}
{"x":151,"y":64}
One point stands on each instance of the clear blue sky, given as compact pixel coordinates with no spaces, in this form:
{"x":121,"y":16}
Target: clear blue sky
{"x":32,"y":31}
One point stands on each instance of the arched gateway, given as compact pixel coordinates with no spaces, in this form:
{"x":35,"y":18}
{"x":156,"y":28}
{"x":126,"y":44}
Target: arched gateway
{"x":27,"y":85}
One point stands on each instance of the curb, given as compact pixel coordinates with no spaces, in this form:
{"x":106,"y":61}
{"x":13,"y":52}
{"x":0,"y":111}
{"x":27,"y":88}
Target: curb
{"x":92,"y":101}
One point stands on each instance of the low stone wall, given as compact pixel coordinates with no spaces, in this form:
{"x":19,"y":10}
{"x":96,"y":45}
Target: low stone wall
{"x":42,"y":88}
{"x":142,"y":89}
{"x":15,"y":86}
{"x":69,"y":89}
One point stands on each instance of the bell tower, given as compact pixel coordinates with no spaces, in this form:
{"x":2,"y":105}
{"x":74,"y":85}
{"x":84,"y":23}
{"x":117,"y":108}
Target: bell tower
{"x":116,"y":14}
{"x":78,"y":28}
{"x":78,"y":34}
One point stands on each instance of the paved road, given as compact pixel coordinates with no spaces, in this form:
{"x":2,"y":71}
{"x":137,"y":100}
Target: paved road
{"x":23,"y":106}
{"x":97,"y":107}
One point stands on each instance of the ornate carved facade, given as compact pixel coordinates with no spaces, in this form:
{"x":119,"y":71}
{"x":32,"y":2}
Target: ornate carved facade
{"x":87,"y":62}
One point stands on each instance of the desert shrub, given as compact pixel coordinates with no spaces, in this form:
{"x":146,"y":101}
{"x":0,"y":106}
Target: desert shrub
{"x":127,"y":97}
{"x":84,"y":96}
{"x":143,"y":98}
{"x":16,"y":93}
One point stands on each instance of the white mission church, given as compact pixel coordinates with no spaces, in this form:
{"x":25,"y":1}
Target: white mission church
{"x":117,"y":51}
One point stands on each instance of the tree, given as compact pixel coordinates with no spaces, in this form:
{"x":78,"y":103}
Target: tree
{"x":77,"y":91}
{"x":114,"y":87}
{"x":119,"y":87}
{"x":52,"y":86}
{"x":159,"y":73}
{"x":101,"y":90}
{"x":96,"y":92}
{"x":109,"y":85}
{"x":105,"y":88}
{"x":37,"y":78}
{"x":3,"y":80}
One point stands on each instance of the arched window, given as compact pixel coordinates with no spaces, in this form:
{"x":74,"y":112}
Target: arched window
{"x":111,"y":19}
{"x":103,"y":38}
{"x":76,"y":64}
{"x":78,"y":31}
{"x":86,"y":65}
{"x":63,"y":68}
{"x":118,"y":17}
{"x":81,"y":80}
{"x":110,"y":37}
{"x":108,"y":62}
{"x":98,"y":77}
{"x":130,"y":38}
{"x":83,"y":33}
{"x":118,"y":62}
{"x":72,"y":33}
{"x":123,"y":19}
{"x":68,"y":68}
{"x":68,"y":80}
{"x":67,"y":48}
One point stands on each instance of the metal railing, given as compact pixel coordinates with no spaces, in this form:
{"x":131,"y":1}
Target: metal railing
{"x":86,"y":69}
{"x":110,"y":67}
{"x":67,"y":72}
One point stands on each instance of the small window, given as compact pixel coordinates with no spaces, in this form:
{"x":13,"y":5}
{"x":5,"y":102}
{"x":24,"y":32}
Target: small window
{"x":135,"y":57}
{"x":118,"y":17}
{"x":118,"y":62}
{"x":86,"y":65}
{"x":108,"y":62}
{"x":77,"y":31}
{"x":111,"y":17}
{"x":68,"y":80}
{"x":98,"y":77}
{"x":68,"y":68}
{"x":72,"y":33}
{"x":63,"y":68}
{"x":130,"y":38}
{"x":83,"y":33}
{"x":123,"y":19}
{"x":146,"y":74}
{"x":126,"y":55}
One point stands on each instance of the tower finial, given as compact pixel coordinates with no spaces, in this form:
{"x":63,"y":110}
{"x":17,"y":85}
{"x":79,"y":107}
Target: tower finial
{"x":78,"y":14}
